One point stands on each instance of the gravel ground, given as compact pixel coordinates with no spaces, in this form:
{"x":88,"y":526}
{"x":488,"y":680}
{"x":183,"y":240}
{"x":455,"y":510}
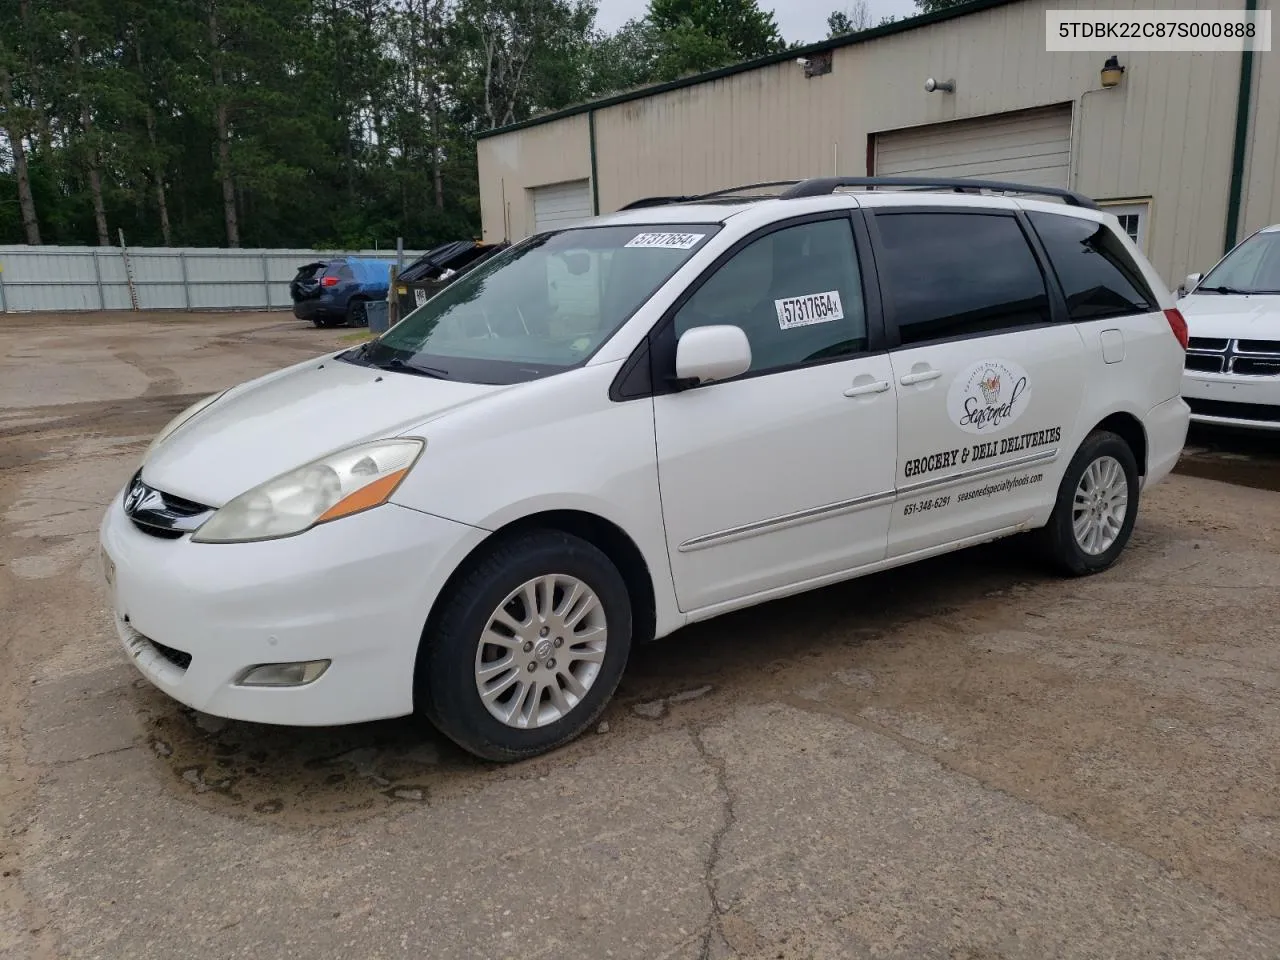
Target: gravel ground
{"x":962,"y":760}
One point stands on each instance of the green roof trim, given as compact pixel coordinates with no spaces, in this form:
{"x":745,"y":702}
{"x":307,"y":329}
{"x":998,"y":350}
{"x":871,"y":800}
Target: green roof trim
{"x":847,"y":40}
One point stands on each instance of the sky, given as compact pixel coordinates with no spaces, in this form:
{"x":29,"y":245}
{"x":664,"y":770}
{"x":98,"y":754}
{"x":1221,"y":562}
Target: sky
{"x":801,"y":21}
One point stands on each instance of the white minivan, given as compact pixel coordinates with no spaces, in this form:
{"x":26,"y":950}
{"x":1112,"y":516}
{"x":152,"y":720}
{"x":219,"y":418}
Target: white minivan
{"x":610,"y":431}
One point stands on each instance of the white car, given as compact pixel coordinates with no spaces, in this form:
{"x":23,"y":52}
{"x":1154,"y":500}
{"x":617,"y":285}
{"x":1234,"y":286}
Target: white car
{"x":1233,"y":317}
{"x":611,"y":431}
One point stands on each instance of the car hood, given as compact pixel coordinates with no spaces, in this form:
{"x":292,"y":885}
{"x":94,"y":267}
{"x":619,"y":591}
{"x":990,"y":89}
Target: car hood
{"x":279,"y":422}
{"x":1253,"y":317}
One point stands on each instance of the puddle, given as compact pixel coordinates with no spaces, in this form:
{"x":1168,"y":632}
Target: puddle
{"x":1245,"y":459}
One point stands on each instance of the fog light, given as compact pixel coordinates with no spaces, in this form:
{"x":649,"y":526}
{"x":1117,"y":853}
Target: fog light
{"x":284,"y":674}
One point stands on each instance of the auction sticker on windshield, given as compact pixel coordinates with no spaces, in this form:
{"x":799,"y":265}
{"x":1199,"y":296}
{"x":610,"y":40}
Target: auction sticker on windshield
{"x":666,"y":241}
{"x":809,"y":309}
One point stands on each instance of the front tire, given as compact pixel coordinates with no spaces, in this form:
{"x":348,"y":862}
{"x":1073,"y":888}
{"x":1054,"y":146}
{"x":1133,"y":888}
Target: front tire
{"x":528,"y":647}
{"x":1096,"y":509}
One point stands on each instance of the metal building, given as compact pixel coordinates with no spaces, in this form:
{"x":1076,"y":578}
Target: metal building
{"x":1184,"y":148}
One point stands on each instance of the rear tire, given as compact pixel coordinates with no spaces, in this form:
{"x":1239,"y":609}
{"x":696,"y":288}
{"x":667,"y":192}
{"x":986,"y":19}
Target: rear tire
{"x":357,"y":315}
{"x":527,"y":648}
{"x":1096,"y":509}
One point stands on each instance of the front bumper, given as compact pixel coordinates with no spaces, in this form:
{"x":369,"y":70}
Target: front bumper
{"x":356,"y":591}
{"x":1233,"y":400}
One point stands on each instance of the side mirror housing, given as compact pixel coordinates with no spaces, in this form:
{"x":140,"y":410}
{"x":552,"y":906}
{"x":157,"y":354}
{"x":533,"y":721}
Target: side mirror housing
{"x":1190,"y":283}
{"x":712,"y":353}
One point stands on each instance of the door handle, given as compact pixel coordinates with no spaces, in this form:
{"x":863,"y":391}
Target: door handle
{"x":880,"y":386}
{"x":924,"y":376}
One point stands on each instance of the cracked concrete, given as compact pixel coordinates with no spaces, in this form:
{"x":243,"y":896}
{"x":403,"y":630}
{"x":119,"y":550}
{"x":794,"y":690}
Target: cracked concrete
{"x":964,"y":759}
{"x":714,"y":935}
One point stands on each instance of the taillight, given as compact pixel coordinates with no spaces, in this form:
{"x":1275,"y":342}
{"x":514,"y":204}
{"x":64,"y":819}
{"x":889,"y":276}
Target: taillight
{"x":1178,"y":324}
{"x":329,"y":282}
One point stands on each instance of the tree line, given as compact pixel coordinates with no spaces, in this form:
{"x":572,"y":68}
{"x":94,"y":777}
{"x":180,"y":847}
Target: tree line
{"x":315,"y":123}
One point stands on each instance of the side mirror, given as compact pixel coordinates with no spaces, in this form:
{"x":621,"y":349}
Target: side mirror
{"x":1190,"y":283}
{"x":712,"y":353}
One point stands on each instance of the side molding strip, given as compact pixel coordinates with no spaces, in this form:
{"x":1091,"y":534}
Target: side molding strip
{"x":858,"y":503}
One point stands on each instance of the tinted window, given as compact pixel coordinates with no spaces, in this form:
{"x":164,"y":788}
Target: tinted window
{"x":796,"y":293}
{"x":959,"y":274}
{"x":1097,"y":274}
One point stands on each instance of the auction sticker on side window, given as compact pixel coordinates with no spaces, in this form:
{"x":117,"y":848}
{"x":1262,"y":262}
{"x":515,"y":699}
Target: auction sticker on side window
{"x":809,"y":309}
{"x":667,"y":241}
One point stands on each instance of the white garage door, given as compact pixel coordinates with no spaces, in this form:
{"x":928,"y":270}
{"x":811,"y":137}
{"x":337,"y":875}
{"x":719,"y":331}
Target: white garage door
{"x":561,"y":204}
{"x":1030,"y":146}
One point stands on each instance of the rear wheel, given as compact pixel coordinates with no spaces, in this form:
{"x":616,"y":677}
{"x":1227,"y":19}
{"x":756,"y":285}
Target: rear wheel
{"x":1097,"y":507}
{"x":357,"y":315}
{"x":528,"y":647}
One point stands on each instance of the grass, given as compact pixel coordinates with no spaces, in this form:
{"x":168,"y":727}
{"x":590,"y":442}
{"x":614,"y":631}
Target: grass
{"x":357,"y":337}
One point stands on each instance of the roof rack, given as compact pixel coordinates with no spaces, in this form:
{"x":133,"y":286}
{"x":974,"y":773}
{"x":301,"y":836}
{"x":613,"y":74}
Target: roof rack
{"x":823,"y":186}
{"x":725,"y":194}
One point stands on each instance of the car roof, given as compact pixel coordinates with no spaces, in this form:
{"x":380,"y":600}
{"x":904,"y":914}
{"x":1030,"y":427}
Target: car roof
{"x":772,"y":208}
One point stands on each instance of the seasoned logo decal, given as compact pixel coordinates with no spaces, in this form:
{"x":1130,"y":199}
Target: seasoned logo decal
{"x":666,"y":241}
{"x":809,"y":309}
{"x":989,"y":396}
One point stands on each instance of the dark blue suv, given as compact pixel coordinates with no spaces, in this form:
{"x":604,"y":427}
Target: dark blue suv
{"x":333,"y":292}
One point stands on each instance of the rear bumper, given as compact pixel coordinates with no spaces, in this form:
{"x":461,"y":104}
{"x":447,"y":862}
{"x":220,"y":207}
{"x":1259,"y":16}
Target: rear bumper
{"x":318,"y":309}
{"x":1166,"y":427}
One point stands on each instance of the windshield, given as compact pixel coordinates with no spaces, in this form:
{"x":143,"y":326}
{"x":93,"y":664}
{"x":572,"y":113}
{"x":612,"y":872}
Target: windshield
{"x":538,"y":308}
{"x":1252,"y":267}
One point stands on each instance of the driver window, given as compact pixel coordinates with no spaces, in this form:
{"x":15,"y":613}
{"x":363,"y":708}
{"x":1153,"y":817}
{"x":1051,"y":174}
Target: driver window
{"x":796,"y":293}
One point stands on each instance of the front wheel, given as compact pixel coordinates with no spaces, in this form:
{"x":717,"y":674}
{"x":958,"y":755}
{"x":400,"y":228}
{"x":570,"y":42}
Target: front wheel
{"x":1096,"y":509}
{"x":528,"y":647}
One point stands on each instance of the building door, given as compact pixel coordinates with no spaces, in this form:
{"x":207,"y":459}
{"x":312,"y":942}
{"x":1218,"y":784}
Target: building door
{"x":561,"y":204}
{"x":1026,"y":146}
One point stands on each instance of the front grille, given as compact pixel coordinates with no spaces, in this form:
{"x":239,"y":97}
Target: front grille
{"x":178,"y":658}
{"x":1207,"y":343}
{"x":160,"y":514}
{"x":1265,"y":347}
{"x":1256,"y":367}
{"x":1234,"y":411}
{"x":1204,"y":364}
{"x":1243,"y":358}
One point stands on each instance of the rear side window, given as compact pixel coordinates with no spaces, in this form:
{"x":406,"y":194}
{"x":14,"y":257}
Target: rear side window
{"x":1098,"y":276}
{"x":340,"y":270}
{"x":959,"y":274}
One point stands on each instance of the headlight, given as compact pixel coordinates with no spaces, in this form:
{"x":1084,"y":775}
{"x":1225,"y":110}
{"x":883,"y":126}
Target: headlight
{"x":178,"y":421}
{"x":334,"y":486}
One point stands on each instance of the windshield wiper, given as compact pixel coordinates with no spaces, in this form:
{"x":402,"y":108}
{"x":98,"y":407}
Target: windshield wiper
{"x":400,"y":366}
{"x":1226,"y":290}
{"x":359,"y":353}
